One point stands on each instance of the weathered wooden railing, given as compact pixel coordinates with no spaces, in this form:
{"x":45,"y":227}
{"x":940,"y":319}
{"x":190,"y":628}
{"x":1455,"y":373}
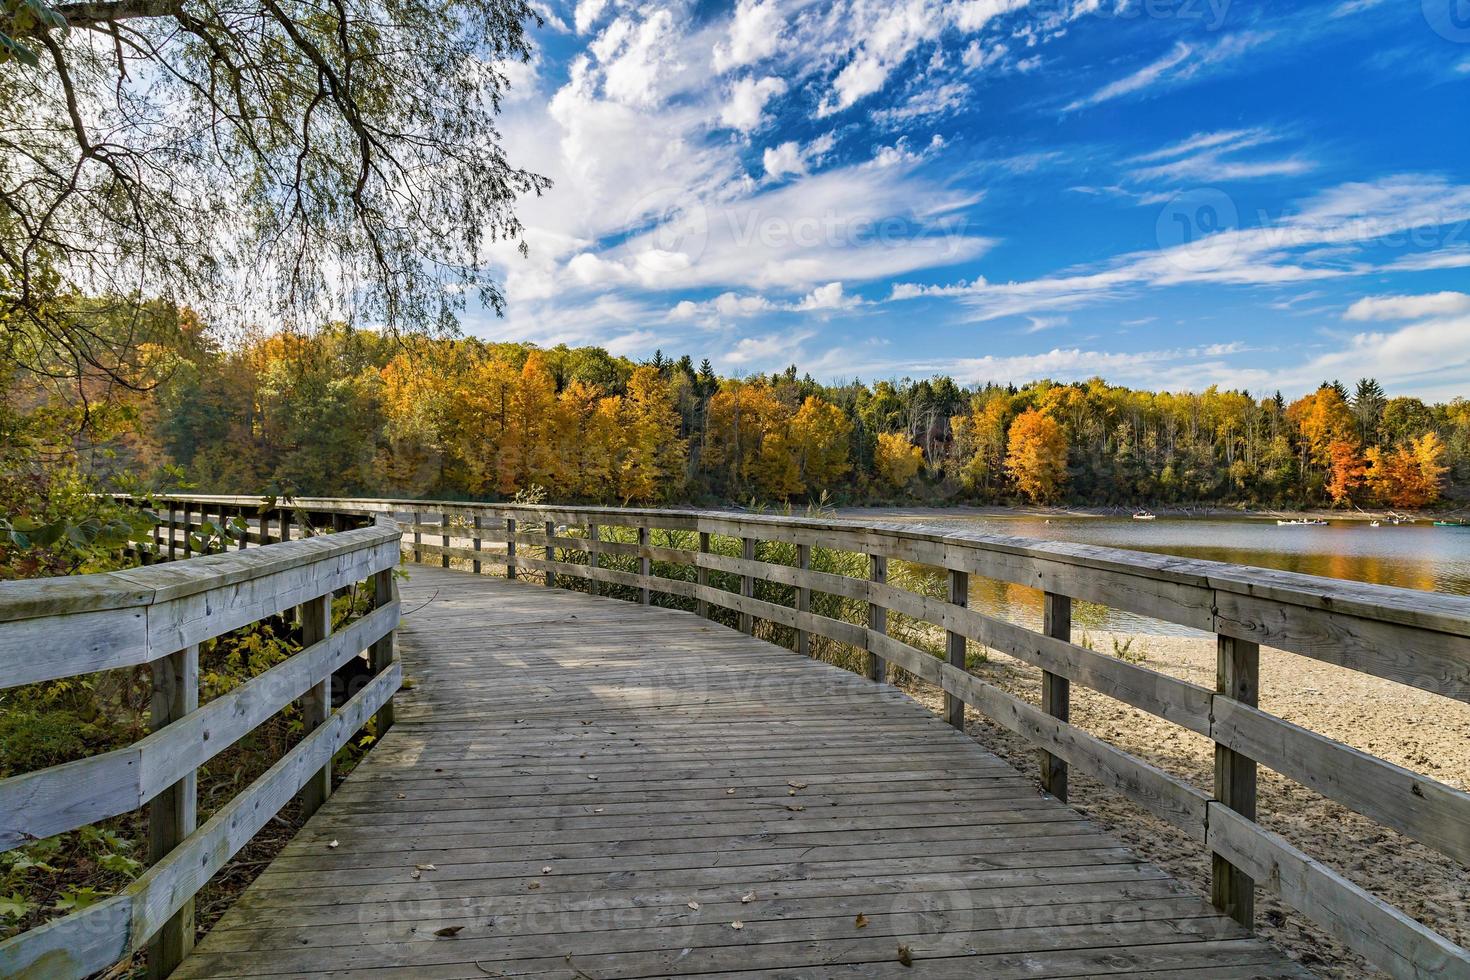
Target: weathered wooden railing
{"x":1410,"y":637}
{"x":158,"y":616}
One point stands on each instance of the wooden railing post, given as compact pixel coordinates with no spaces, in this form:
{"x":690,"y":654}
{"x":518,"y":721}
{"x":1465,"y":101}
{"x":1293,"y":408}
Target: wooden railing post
{"x":959,"y":595}
{"x":747,"y":585}
{"x":1237,"y":673}
{"x":244,"y":531}
{"x":594,"y":557}
{"x":803,"y":600}
{"x":475,"y":522}
{"x":316,"y":704}
{"x":877,"y":617}
{"x":645,"y":566}
{"x":1056,"y":691}
{"x":701,"y":578}
{"x":188,"y":530}
{"x":510,"y":547}
{"x":549,"y":553}
{"x":380,"y":654}
{"x":418,"y":538}
{"x":172,"y":532}
{"x":173,"y":813}
{"x":444,"y":541}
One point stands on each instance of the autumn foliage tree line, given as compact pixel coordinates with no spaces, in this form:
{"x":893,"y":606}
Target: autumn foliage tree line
{"x":353,"y":412}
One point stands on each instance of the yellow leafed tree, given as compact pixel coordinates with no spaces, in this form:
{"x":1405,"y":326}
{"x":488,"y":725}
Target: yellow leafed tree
{"x":897,"y":460}
{"x":1036,"y":455}
{"x":819,"y":440}
{"x":652,"y":464}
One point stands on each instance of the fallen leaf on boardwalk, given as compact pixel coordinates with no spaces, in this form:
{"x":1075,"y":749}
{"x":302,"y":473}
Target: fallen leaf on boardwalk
{"x":598,"y":810}
{"x":426,"y":867}
{"x":332,"y":844}
{"x":546,"y":870}
{"x":448,"y":931}
{"x":795,"y":785}
{"x":730,"y":791}
{"x":737,"y":924}
{"x":905,"y":955}
{"x":534,"y":885}
{"x":415,"y":874}
{"x":487,"y":971}
{"x":861,"y":922}
{"x":795,"y":807}
{"x":403,"y":796}
{"x":748,"y":897}
{"x":593,"y":778}
{"x":694,"y":906}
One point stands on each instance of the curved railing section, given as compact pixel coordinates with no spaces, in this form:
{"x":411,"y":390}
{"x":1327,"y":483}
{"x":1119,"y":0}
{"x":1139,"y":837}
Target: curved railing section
{"x":1409,"y":637}
{"x":157,"y":616}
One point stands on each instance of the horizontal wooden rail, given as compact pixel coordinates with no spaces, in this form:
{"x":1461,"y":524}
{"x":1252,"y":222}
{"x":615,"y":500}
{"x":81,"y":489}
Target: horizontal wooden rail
{"x":1410,"y":637}
{"x":159,"y":614}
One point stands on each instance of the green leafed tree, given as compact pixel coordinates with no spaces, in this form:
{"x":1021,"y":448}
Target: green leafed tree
{"x":299,"y":160}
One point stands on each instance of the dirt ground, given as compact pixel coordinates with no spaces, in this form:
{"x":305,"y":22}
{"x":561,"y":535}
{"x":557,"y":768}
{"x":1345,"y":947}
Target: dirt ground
{"x":1420,"y":731}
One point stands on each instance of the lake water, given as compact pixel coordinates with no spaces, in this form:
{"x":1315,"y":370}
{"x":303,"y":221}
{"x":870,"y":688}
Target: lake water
{"x":1413,"y":556}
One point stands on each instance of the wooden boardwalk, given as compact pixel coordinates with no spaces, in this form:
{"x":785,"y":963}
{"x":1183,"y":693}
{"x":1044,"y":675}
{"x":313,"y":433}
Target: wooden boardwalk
{"x":586,"y":788}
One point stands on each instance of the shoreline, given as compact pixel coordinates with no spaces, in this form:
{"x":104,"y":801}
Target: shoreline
{"x":1172,"y":512}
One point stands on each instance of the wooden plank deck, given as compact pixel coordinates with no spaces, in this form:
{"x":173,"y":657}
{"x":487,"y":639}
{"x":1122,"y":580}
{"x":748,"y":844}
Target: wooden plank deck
{"x":580,"y":787}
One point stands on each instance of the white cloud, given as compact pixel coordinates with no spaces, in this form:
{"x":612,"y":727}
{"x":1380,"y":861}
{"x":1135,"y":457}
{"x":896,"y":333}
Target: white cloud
{"x":784,"y":348}
{"x":783,"y":159}
{"x":1315,"y":243}
{"x":979,"y":56}
{"x":745,"y":109}
{"x":1430,"y":358}
{"x":638,"y":58}
{"x":876,"y":38}
{"x":1447,"y":258}
{"x":828,"y":297}
{"x":587,"y":14}
{"x":793,"y":158}
{"x":1183,"y":62}
{"x":1350,"y":7}
{"x":755,"y":34}
{"x":1211,"y":157}
{"x":733,"y":306}
{"x":1409,"y":307}
{"x":926,"y":102}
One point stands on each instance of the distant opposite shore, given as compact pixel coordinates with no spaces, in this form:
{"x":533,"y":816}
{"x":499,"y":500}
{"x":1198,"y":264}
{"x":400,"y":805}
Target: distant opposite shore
{"x":1175,"y":511}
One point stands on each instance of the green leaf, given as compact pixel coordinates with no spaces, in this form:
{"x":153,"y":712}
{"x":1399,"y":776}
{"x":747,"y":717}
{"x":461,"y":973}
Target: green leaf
{"x":81,"y":898}
{"x":121,"y":864}
{"x":14,"y":907}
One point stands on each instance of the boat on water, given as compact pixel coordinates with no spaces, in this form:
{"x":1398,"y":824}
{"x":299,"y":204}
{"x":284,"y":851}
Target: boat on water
{"x":1145,"y":515}
{"x":1303,"y":522}
{"x":1452,"y":523}
{"x":1374,"y":524}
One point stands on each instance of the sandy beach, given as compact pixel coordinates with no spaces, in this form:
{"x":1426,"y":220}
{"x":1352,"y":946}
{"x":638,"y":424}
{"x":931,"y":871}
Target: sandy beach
{"x":1420,"y":731}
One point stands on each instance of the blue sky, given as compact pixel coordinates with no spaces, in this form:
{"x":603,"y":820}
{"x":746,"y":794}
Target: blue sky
{"x":1169,"y":193}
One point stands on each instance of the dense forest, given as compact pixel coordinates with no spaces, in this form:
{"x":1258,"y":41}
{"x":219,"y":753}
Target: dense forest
{"x":346,"y":411}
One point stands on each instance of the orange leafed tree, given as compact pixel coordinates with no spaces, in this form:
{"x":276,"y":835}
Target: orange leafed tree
{"x":1408,"y":476}
{"x":897,"y":460}
{"x":1322,"y":418}
{"x":1036,"y":455}
{"x":1347,"y":472}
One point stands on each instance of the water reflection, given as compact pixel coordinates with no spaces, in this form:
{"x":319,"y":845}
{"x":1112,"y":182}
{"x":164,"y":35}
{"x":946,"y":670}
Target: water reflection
{"x":1417,"y":556}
